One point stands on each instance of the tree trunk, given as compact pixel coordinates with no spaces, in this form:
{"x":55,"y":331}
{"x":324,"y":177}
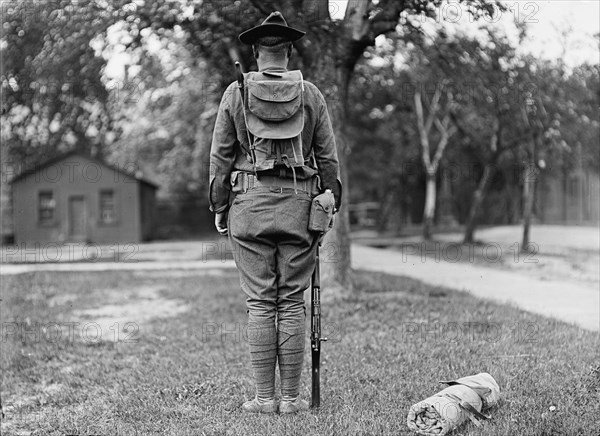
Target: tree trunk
{"x":528,"y":197}
{"x":386,"y":208}
{"x":445,"y":203}
{"x":431,"y":165}
{"x":478,"y":197}
{"x":429,"y":211}
{"x":335,"y":257}
{"x":333,"y":81}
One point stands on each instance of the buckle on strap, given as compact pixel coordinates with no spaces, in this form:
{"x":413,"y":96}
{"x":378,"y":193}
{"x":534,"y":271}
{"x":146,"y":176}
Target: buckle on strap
{"x":239,"y":181}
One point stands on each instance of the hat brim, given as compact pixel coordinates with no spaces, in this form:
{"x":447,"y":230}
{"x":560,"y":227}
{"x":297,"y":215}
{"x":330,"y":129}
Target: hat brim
{"x":250,"y":36}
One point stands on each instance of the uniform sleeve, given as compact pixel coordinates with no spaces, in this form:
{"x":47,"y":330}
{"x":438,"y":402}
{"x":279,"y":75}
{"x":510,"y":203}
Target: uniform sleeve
{"x":326,"y":153}
{"x":222,"y":155}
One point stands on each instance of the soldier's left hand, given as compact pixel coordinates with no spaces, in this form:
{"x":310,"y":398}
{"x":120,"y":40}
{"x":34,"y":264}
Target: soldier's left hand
{"x":331,"y":223}
{"x":322,"y":235}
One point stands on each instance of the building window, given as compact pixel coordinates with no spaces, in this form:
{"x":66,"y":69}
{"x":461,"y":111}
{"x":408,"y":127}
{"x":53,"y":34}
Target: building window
{"x":46,"y":207}
{"x":108,"y":211}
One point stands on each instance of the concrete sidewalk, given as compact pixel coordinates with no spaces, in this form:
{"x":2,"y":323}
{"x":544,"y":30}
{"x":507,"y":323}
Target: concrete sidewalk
{"x":564,"y":300}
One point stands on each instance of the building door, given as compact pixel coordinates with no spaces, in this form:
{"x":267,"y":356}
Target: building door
{"x":77,"y":218}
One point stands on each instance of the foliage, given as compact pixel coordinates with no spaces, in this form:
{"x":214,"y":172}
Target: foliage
{"x":53,"y":96}
{"x":139,"y":82}
{"x":165,"y":118}
{"x":491,"y":87}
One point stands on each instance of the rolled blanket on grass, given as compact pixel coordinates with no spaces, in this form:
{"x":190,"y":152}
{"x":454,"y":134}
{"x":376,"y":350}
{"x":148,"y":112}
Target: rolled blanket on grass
{"x":464,"y":399}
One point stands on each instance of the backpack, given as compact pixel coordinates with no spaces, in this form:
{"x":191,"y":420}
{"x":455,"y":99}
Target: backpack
{"x":274,"y":116}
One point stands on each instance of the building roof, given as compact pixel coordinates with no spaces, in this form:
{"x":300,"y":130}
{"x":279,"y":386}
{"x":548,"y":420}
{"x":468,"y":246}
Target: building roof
{"x":26,"y":173}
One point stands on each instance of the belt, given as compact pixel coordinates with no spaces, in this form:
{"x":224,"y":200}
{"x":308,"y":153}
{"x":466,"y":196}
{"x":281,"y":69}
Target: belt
{"x":242,"y":182}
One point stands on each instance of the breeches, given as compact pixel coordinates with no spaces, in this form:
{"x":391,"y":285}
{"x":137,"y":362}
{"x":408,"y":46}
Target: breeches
{"x":274,"y":252}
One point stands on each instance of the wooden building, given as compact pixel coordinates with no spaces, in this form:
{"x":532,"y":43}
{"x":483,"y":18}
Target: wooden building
{"x":77,"y":198}
{"x":568,"y":197}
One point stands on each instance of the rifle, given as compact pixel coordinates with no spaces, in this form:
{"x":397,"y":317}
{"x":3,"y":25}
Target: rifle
{"x":315,"y":337}
{"x":240,"y":78}
{"x":240,"y":81}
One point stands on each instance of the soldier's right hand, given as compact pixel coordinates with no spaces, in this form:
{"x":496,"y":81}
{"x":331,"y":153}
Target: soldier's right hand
{"x":221,"y":223}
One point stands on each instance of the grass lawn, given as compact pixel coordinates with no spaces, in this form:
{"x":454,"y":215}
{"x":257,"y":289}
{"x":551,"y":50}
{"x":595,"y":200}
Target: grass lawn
{"x":188,"y":372}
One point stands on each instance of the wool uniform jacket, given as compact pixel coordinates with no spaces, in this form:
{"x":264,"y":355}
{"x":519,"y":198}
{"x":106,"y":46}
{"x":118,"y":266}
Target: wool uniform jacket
{"x":230,"y":147}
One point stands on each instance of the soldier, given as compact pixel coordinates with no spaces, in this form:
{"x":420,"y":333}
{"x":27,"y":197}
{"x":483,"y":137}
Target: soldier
{"x":273,"y":151}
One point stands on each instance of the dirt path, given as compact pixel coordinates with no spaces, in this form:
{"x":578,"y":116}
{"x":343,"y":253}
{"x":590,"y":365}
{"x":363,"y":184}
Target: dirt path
{"x":565,"y":300}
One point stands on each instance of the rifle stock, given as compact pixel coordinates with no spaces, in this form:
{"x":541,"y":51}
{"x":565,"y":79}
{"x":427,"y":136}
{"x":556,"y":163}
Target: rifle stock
{"x":315,"y":337}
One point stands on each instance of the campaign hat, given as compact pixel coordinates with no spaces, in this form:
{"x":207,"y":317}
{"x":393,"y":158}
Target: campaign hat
{"x":273,"y":25}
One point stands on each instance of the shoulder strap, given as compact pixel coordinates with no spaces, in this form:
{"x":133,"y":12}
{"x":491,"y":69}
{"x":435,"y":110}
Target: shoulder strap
{"x":242,"y":87}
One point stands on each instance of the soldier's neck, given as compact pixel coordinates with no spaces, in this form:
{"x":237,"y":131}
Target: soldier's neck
{"x":271,"y":63}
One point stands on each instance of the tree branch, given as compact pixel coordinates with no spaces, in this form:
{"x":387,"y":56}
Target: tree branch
{"x":357,"y":18}
{"x":386,"y":19}
{"x":265,"y":7}
{"x":495,"y":139}
{"x":314,"y":10}
{"x":362,"y":26}
{"x":446,"y":133}
{"x":433,"y":108}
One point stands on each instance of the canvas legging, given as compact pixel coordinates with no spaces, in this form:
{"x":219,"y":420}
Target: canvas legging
{"x":275,"y":255}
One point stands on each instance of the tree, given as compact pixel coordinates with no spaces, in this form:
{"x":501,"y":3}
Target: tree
{"x":52,"y":94}
{"x":53,"y":98}
{"x":492,"y":87}
{"x":385,"y":162}
{"x":328,"y":55}
{"x":448,"y":68}
{"x":165,"y":117}
{"x":541,"y":115}
{"x":446,"y":130}
{"x":490,"y":110}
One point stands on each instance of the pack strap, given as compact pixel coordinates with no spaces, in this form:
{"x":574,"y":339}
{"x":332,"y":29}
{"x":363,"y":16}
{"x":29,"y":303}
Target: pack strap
{"x":292,"y":139}
{"x":251,"y":154}
{"x":474,"y":415}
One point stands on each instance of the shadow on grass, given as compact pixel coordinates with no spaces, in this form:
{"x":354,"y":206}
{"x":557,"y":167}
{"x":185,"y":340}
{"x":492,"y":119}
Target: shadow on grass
{"x":390,"y":343}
